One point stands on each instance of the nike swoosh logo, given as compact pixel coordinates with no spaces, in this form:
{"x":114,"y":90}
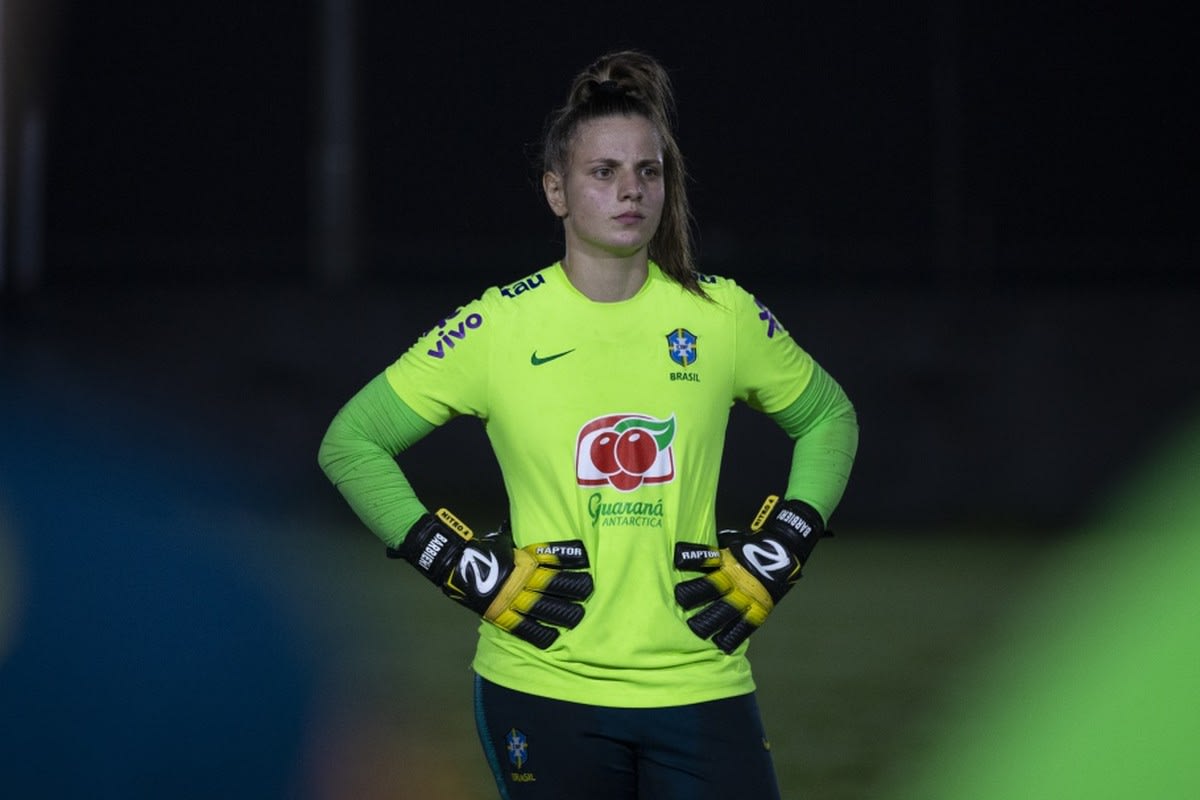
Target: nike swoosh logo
{"x":537,"y":360}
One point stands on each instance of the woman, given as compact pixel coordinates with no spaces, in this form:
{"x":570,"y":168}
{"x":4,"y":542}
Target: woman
{"x":612,"y":663}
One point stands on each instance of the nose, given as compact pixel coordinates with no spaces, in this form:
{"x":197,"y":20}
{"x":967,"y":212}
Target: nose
{"x":631,"y":187}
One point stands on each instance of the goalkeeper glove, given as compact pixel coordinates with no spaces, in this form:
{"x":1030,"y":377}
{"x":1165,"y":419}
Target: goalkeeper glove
{"x":749,"y":573}
{"x":516,"y":590}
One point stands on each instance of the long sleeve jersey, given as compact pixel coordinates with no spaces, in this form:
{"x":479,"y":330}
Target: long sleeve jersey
{"x":608,"y":422}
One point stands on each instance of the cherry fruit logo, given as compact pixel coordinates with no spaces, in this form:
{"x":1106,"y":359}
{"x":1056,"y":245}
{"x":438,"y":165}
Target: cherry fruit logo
{"x":624,"y":451}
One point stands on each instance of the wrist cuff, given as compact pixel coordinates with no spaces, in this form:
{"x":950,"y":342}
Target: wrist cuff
{"x":800,"y":525}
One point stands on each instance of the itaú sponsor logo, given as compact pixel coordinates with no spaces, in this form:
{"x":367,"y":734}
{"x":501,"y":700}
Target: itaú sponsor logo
{"x":625,"y":451}
{"x":522,"y":286}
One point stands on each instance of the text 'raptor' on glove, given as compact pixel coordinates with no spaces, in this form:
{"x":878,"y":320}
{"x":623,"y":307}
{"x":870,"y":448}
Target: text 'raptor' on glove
{"x":748,"y":572}
{"x":523,"y":591}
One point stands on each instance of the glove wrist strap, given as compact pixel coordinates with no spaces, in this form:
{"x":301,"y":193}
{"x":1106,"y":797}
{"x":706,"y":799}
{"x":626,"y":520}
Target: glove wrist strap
{"x":433,"y":545}
{"x":797,"y":523}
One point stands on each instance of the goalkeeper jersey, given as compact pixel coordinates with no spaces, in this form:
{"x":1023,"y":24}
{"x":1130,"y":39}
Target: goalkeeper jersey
{"x":608,"y":422}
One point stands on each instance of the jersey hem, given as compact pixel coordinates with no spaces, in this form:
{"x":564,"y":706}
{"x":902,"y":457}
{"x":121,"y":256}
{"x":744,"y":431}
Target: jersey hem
{"x":596,"y":693}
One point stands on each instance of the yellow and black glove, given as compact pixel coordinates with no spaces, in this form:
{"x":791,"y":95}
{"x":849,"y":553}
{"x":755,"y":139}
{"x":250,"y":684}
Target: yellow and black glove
{"x":516,"y":590}
{"x":748,"y":572}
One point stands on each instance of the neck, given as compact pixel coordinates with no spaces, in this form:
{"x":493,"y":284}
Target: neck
{"x":607,"y":280}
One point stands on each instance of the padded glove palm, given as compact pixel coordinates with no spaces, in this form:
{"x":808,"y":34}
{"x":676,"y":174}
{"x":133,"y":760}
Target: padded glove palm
{"x":515,"y":589}
{"x":748,"y":573}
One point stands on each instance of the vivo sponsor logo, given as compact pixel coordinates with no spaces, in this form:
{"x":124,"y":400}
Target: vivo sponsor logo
{"x":522,"y":286}
{"x":448,"y":335}
{"x":766,"y":316}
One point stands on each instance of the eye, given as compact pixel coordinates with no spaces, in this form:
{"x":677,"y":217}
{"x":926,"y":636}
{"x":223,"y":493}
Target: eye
{"x":650,"y":169}
{"x":602,"y":172}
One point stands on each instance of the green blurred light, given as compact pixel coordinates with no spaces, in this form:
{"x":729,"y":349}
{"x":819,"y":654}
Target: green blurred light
{"x":1094,"y":690}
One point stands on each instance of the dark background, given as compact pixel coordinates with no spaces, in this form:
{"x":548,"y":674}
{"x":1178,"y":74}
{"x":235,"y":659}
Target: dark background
{"x":821,"y":141}
{"x":977,"y":216}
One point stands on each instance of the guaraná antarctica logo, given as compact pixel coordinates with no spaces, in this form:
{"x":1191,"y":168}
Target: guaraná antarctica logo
{"x":625,"y":451}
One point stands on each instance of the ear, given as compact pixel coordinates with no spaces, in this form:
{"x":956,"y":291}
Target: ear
{"x":556,"y":195}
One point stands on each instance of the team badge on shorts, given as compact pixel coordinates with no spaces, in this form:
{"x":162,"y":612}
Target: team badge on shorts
{"x":681,"y":345}
{"x":518,"y":748}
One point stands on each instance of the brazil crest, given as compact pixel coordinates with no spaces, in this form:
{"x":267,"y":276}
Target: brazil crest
{"x":681,"y":344}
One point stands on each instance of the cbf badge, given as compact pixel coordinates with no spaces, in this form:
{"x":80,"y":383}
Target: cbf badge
{"x":518,"y":755}
{"x":681,"y":344}
{"x":518,"y":748}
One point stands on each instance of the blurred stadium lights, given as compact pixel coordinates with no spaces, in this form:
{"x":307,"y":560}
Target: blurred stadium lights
{"x":948,"y":161}
{"x":11,"y":583}
{"x":29,"y":227}
{"x":335,"y":185}
{"x":3,"y":155}
{"x":26,"y":40}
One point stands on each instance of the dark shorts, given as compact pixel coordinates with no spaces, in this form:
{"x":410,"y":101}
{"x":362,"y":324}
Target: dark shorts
{"x":542,"y":749}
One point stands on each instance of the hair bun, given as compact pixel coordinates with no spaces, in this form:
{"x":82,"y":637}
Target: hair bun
{"x":605,"y":90}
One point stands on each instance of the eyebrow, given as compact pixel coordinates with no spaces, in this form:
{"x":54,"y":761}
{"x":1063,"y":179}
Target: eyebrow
{"x":616,"y":162}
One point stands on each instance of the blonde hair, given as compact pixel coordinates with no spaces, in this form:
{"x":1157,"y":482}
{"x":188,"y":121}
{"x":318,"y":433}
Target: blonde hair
{"x":632,"y":83}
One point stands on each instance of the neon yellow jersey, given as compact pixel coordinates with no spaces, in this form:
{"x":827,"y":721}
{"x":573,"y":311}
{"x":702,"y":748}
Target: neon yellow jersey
{"x":608,"y":422}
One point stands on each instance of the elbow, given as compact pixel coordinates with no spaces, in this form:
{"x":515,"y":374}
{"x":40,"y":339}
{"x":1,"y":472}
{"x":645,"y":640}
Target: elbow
{"x":850,"y":415}
{"x":328,"y":453}
{"x":850,"y":418}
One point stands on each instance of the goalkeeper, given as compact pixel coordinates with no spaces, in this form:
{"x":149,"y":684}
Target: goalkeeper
{"x":611,"y":660}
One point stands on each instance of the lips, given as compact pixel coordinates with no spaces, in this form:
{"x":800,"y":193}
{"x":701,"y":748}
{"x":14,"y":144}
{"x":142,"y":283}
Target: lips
{"x":629,"y":218}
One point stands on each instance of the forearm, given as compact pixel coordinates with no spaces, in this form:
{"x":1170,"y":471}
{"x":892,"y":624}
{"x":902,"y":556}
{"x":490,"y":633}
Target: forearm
{"x":824,"y":426}
{"x":358,"y":455}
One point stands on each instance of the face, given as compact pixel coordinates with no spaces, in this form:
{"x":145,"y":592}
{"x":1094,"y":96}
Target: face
{"x":611,"y":195}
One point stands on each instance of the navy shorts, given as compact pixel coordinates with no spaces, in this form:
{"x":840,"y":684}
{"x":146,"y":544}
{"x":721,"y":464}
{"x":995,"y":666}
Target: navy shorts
{"x":542,"y":749}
